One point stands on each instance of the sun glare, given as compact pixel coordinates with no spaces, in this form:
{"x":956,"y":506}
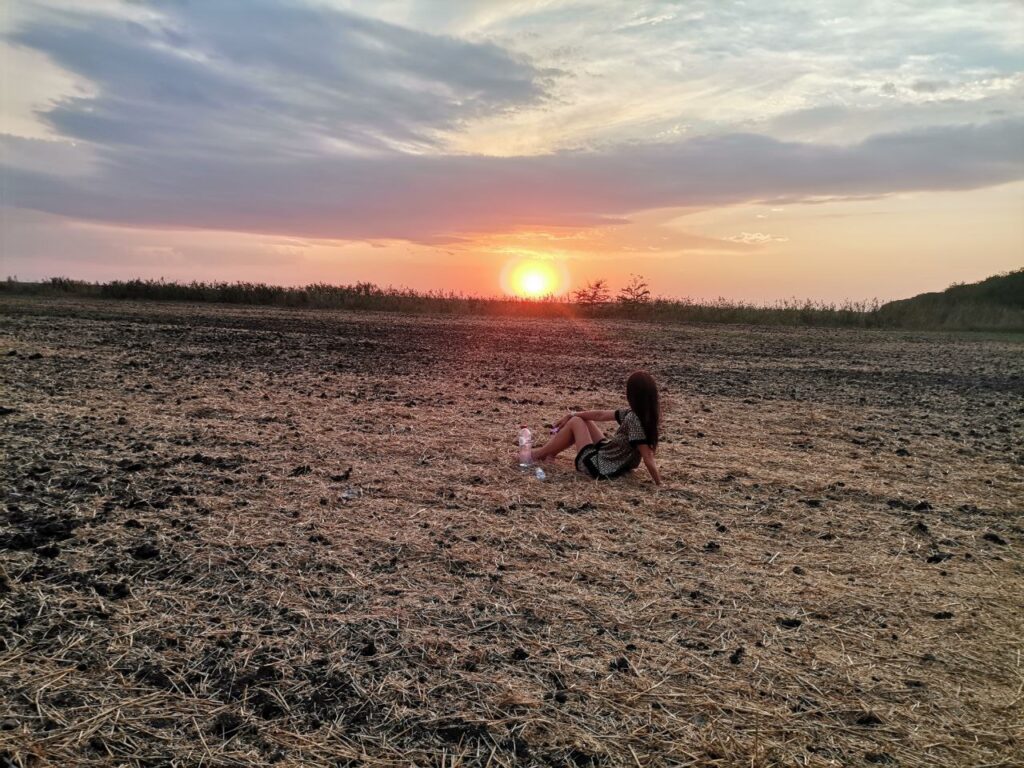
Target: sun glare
{"x":532,"y":279}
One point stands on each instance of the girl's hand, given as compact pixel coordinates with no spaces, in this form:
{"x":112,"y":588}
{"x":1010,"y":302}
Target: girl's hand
{"x":563,"y":421}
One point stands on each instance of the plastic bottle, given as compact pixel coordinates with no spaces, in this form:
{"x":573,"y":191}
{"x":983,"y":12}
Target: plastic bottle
{"x":525,"y":446}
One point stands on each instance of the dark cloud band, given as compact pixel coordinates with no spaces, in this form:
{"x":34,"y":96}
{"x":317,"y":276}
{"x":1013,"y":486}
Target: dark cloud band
{"x":432,"y":198}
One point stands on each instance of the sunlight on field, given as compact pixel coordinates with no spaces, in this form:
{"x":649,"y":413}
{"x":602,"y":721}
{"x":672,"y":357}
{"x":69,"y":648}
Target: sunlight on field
{"x":227,"y":542}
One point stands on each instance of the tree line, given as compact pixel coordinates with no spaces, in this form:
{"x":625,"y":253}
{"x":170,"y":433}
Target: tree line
{"x":996,"y":304}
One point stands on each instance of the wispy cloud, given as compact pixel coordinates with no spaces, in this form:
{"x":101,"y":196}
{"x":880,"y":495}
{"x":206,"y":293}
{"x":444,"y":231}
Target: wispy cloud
{"x":269,"y":76}
{"x":757,"y":238}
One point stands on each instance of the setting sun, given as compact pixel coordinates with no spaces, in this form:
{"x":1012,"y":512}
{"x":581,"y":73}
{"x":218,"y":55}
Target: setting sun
{"x":532,"y":279}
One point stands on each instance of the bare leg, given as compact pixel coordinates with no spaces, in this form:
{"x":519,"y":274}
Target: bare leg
{"x":558,"y":443}
{"x":596,"y":433}
{"x":575,"y":432}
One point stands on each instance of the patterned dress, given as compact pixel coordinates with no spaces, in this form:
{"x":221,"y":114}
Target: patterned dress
{"x":611,"y":457}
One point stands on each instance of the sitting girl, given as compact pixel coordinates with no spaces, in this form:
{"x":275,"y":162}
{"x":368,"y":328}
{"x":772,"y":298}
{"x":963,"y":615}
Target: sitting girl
{"x":636,"y":439}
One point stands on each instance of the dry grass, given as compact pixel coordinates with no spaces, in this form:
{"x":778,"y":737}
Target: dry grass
{"x":193,"y":577}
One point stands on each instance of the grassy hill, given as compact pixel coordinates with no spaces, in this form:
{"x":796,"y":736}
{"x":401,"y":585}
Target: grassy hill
{"x":996,"y":303}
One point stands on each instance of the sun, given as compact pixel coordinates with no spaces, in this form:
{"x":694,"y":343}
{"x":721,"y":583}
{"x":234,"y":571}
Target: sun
{"x":531,"y":279}
{"x":534,"y":283}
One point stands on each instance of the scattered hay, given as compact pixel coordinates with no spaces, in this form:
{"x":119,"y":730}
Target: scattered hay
{"x":305,"y":542}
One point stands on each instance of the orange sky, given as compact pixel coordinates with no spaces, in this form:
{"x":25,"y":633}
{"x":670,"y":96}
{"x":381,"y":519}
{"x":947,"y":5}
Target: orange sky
{"x":755,"y":153}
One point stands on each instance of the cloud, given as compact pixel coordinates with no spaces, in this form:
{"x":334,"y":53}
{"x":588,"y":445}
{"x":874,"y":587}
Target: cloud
{"x":757,"y":238}
{"x":209,"y":115}
{"x":205,"y":78}
{"x":958,"y":103}
{"x":929,"y":86}
{"x":433,"y":198}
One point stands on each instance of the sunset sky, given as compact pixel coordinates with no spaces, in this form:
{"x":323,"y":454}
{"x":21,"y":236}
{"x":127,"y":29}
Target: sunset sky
{"x":751,"y":150}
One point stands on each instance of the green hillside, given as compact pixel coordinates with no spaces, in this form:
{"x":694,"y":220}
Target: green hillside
{"x":994,"y":303}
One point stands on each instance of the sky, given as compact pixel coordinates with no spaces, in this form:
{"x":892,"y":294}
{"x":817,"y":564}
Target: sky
{"x":754,"y":151}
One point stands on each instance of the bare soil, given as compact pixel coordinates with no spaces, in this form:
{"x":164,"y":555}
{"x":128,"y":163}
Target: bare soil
{"x":259,"y":537}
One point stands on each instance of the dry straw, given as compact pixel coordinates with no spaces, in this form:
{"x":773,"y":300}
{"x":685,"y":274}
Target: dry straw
{"x":194,"y":576}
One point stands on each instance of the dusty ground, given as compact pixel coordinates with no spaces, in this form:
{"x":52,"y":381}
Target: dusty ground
{"x":194,"y":576}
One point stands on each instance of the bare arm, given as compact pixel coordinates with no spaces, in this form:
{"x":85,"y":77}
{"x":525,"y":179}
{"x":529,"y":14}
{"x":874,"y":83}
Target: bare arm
{"x":589,"y":416}
{"x":648,"y":456}
{"x":597,"y":415}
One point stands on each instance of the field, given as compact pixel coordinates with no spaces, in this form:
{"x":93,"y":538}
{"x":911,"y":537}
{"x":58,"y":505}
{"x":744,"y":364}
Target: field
{"x":256,"y":536}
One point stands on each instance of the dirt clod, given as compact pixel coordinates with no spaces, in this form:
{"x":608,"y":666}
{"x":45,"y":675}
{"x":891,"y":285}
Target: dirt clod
{"x":869,"y":720}
{"x":227,"y":725}
{"x":145,"y":551}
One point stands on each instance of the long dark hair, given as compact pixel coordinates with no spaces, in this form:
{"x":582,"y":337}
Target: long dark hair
{"x":642,"y":394}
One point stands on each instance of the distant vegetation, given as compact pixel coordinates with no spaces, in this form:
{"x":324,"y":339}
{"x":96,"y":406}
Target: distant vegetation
{"x":995,"y":304}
